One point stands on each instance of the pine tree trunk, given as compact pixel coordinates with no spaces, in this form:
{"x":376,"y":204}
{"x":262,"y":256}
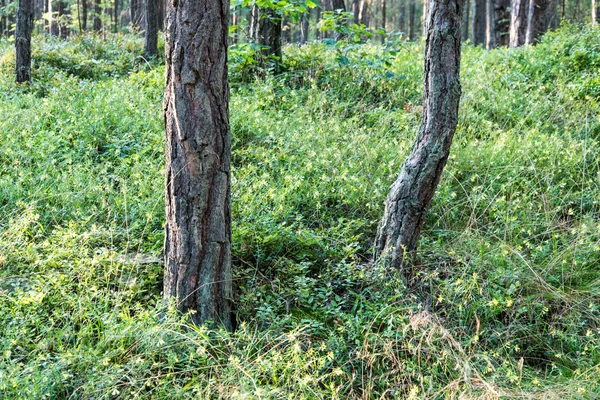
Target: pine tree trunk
{"x":479,"y":18}
{"x":338,"y":5}
{"x":198,"y":154}
{"x":502,"y":22}
{"x":23,"y":40}
{"x":402,"y":17}
{"x":116,"y":16}
{"x":420,"y":174}
{"x":3,"y":21}
{"x":161,"y":14}
{"x":364,"y":12}
{"x":97,"y":14}
{"x":490,"y":26}
{"x":269,"y":32}
{"x":356,"y":11}
{"x":518,"y":22}
{"x":466,"y":21}
{"x":595,"y":12}
{"x":304,"y":28}
{"x":133,"y":6}
{"x":84,"y":14}
{"x":411,"y":20}
{"x":151,"y":35}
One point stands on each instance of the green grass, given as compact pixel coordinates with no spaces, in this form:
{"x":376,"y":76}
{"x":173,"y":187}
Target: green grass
{"x":506,"y":302}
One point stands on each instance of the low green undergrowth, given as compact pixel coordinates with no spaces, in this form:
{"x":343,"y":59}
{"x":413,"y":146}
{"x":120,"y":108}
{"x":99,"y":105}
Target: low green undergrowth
{"x":505,"y":300}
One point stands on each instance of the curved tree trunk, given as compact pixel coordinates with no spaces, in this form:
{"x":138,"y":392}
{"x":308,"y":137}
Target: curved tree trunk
{"x":23,"y":40}
{"x":151,"y":35}
{"x":409,"y":196}
{"x":198,"y":153}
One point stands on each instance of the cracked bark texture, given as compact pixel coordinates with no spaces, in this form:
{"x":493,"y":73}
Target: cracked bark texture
{"x":198,"y":153}
{"x":23,"y":40}
{"x":410,"y":194}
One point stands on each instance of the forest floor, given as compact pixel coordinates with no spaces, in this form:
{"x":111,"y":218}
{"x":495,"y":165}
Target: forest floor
{"x":506,"y":299}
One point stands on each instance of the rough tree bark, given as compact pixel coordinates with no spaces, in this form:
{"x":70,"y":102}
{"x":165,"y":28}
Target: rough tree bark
{"x":198,"y":153}
{"x":518,"y":22}
{"x":151,"y":34}
{"x":409,"y":196}
{"x":23,"y":40}
{"x":479,"y":19}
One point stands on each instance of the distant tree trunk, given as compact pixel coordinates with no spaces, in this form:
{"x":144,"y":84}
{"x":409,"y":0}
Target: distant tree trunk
{"x":63,"y":19}
{"x":541,"y":16}
{"x":530,"y":20}
{"x":409,"y":196}
{"x":97,"y":15}
{"x":355,"y":11}
{"x":3,"y":20}
{"x":317,"y":19}
{"x":304,"y":28}
{"x":518,"y":22}
{"x":133,"y":9}
{"x":23,"y":40}
{"x":198,"y":271}
{"x":364,"y":12}
{"x":479,"y":18}
{"x":402,"y":17}
{"x":338,"y":5}
{"x":116,"y":11}
{"x":466,"y":21}
{"x":502,"y":22}
{"x":151,"y":35}
{"x":383,"y":14}
{"x":54,"y":21}
{"x":84,"y":14}
{"x":425,"y":16}
{"x":161,"y":15}
{"x":595,"y":12}
{"x":411,"y":20}
{"x":490,"y":26}
{"x":269,"y":32}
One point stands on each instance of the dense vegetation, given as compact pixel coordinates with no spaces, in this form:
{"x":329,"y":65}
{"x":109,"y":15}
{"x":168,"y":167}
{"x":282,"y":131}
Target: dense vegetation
{"x":507,"y":292}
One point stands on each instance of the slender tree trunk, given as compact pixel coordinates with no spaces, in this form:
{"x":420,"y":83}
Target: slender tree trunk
{"x":383,"y":18}
{"x":151,"y":36}
{"x":466,"y":20}
{"x":411,"y":20}
{"x":518,"y":22}
{"x":54,"y":19}
{"x":595,"y":12}
{"x":317,"y":19}
{"x":63,"y":19}
{"x":502,"y":22}
{"x":198,"y":270}
{"x":161,"y":15}
{"x":23,"y":40}
{"x":364,"y":12}
{"x":97,"y":15}
{"x":133,"y":8}
{"x":402,"y":17}
{"x":490,"y":26}
{"x":425,"y":16}
{"x":304,"y":28}
{"x":3,"y":21}
{"x":269,"y":32}
{"x":479,"y":18}
{"x":84,"y":14}
{"x":116,"y":16}
{"x":420,"y":174}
